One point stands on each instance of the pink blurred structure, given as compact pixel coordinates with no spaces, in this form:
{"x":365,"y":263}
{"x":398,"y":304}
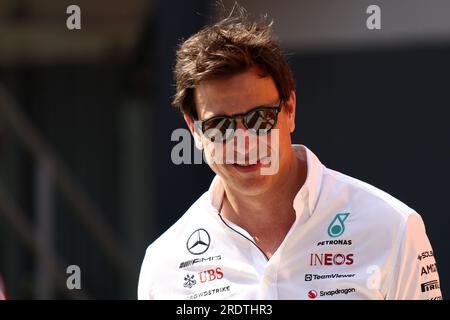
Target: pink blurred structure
{"x":2,"y":290}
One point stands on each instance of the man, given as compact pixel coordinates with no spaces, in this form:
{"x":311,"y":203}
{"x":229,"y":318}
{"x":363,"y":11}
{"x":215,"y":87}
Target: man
{"x":301,"y":232}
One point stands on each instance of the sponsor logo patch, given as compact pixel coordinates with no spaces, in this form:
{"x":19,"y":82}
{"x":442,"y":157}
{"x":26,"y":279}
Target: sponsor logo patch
{"x":311,"y":277}
{"x":430,"y":268}
{"x":331,"y":259}
{"x":340,"y":242}
{"x":337,"y":226}
{"x":198,"y":242}
{"x":207,"y":293}
{"x":424,"y":255}
{"x":189,"y":281}
{"x":210,"y":275}
{"x":429,"y":286}
{"x":188,"y":263}
{"x":312,"y":294}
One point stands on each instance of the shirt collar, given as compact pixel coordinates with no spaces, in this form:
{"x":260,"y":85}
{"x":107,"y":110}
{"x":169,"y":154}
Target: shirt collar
{"x":308,"y":192}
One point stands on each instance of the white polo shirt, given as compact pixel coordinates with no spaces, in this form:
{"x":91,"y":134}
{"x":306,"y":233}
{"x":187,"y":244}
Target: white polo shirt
{"x":350,"y":240}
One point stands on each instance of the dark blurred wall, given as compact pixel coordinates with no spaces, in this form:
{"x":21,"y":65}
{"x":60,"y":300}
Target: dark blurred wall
{"x":176,"y":184}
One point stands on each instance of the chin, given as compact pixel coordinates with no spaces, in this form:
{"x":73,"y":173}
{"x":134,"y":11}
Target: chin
{"x":250,"y":184}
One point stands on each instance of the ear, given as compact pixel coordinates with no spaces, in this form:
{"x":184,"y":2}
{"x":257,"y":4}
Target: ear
{"x":290,"y":110}
{"x":197,"y":139}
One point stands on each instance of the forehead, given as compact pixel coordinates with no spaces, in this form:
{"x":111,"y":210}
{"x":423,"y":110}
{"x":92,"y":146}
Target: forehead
{"x":234,"y":94}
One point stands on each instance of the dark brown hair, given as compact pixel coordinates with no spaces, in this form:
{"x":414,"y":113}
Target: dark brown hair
{"x":225,"y":48}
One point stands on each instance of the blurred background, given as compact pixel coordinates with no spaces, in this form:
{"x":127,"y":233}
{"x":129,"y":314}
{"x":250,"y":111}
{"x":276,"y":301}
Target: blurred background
{"x":86,"y":176}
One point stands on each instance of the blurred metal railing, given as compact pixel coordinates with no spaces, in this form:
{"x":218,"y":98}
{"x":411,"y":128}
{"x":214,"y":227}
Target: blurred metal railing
{"x":50,"y":173}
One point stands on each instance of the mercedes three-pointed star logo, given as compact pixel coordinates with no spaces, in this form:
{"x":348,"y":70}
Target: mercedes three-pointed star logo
{"x":198,"y":242}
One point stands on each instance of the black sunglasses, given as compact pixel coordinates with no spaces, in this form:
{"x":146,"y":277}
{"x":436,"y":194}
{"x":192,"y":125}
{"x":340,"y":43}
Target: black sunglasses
{"x":258,"y":121}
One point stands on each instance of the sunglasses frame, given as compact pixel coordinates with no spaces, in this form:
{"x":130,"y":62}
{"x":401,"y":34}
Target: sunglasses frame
{"x":234,"y":117}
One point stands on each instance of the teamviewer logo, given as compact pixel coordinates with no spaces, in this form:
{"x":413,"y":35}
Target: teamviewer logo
{"x":308,"y":277}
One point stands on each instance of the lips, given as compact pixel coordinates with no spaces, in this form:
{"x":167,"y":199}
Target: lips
{"x":246,"y":168}
{"x":248,"y":163}
{"x":250,"y":167}
{"x":245,"y":164}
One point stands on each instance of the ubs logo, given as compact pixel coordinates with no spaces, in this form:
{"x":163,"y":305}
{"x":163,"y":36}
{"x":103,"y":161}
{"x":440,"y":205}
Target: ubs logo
{"x":198,"y":242}
{"x":211,"y":275}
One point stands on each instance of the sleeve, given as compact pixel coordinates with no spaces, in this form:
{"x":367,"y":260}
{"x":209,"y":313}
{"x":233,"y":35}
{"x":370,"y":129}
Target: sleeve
{"x":415,"y":275}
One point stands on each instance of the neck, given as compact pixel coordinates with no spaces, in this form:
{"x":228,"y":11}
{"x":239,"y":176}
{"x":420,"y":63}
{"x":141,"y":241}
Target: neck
{"x":271,"y":212}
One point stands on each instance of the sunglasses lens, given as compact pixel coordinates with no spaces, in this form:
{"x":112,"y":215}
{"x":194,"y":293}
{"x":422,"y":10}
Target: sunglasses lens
{"x":261,"y":121}
{"x":218,"y":129}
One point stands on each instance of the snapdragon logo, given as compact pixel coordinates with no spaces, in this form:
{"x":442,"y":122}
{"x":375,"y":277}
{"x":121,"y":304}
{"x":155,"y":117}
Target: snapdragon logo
{"x":244,"y":150}
{"x":312,"y":294}
{"x":337,"y":292}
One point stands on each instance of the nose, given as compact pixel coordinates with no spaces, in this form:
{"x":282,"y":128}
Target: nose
{"x":243,"y":140}
{"x":240,"y":124}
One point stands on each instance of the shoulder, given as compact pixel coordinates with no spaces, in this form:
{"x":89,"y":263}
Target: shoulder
{"x":372,"y":207}
{"x":166,"y":252}
{"x":181,"y":227}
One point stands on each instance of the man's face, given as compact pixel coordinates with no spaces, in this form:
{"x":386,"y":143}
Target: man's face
{"x":238,"y":94}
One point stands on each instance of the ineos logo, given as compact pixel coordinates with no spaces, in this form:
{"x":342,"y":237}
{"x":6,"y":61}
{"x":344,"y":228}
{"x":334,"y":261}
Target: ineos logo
{"x":198,"y":242}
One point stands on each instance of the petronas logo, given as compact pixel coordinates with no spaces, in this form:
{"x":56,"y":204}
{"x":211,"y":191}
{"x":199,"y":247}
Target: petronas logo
{"x":337,"y":227}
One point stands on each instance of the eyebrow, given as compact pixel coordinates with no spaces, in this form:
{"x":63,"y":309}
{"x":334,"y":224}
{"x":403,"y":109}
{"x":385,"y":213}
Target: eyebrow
{"x":276,"y":104}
